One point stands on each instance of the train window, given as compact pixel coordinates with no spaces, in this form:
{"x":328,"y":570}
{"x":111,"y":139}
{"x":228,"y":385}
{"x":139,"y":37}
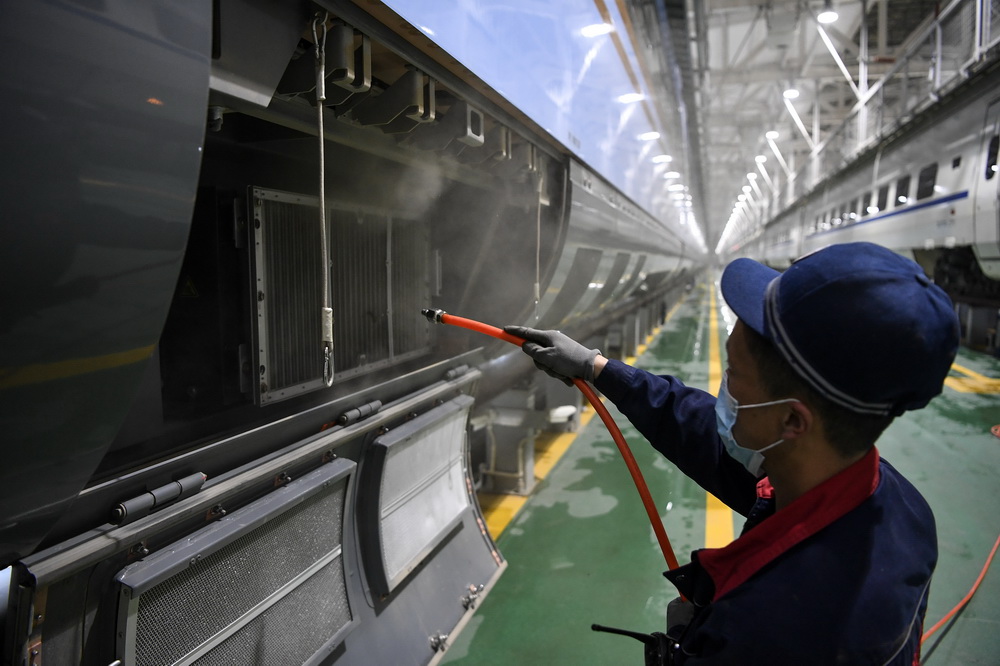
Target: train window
{"x":903,"y":190}
{"x":883,"y":198}
{"x":866,"y":203}
{"x":926,"y":180}
{"x":841,"y":217}
{"x":991,"y":157}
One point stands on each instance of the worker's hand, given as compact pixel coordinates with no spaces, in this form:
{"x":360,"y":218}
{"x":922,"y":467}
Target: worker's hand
{"x":556,"y":354}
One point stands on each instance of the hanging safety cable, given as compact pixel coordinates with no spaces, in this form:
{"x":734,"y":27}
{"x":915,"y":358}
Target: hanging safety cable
{"x":442,"y":317}
{"x":319,"y":32}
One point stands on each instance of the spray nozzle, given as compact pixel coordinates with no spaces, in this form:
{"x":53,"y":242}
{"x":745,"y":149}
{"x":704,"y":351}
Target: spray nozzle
{"x":433,"y":315}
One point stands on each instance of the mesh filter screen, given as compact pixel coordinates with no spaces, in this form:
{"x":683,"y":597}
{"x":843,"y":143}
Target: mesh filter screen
{"x":233,"y":584}
{"x":423,"y":491}
{"x":293,"y":629}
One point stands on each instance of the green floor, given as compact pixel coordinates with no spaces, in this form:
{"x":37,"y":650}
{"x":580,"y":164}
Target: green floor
{"x":582,"y":551}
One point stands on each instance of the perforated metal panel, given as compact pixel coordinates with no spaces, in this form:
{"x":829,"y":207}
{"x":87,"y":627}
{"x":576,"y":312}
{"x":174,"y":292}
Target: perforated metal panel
{"x":415,"y":491}
{"x":266,"y":580}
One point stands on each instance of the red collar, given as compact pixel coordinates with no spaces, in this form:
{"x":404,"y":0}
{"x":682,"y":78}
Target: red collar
{"x":731,"y":565}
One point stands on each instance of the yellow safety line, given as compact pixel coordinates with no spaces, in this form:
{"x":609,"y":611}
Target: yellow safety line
{"x":972,"y":382}
{"x":499,"y":510}
{"x":38,"y":373}
{"x":718,"y":516}
{"x":549,"y":448}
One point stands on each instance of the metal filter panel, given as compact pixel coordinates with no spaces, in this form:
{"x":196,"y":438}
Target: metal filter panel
{"x":379,"y":275}
{"x":288,"y":276}
{"x":380,"y":279}
{"x":415,"y":491}
{"x":266,"y":580}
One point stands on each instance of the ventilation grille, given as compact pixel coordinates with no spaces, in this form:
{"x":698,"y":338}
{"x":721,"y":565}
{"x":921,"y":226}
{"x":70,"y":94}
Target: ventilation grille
{"x":280,"y":636}
{"x":423,"y":490}
{"x":379,"y":282}
{"x":277,"y":589}
{"x":289,"y":288}
{"x":416,"y":491}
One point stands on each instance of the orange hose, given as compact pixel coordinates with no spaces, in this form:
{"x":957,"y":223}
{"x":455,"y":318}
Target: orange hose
{"x":480,"y":327}
{"x":602,"y":411}
{"x":963,"y":602}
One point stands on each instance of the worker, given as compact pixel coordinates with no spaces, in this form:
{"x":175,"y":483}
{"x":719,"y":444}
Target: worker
{"x":835,"y":558}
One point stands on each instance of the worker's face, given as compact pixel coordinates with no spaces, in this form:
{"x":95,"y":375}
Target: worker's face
{"x":758,"y":427}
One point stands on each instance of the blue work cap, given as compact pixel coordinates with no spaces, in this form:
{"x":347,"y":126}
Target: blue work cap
{"x":862,"y":325}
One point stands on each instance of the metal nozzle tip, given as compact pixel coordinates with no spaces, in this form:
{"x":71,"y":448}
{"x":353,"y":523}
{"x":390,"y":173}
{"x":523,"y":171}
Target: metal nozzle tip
{"x":433,"y":315}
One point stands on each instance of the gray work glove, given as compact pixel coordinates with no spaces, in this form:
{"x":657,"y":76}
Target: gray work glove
{"x":556,"y":354}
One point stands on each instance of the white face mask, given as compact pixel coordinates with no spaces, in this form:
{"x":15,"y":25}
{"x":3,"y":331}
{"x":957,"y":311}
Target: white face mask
{"x":726,"y":408}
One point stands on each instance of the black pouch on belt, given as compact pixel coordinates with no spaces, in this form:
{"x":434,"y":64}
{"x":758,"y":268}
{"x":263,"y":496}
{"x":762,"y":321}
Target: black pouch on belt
{"x":680,"y":611}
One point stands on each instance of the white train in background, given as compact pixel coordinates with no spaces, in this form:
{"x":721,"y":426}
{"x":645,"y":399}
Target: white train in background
{"x":929,"y":192}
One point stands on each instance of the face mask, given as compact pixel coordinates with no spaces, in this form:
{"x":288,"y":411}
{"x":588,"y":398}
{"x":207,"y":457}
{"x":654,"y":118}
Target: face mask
{"x":726,"y":408}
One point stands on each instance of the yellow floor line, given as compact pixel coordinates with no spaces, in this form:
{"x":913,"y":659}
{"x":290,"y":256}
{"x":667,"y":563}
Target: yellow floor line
{"x":499,"y":510}
{"x":549,"y":452}
{"x":718,"y":516}
{"x":972,"y":382}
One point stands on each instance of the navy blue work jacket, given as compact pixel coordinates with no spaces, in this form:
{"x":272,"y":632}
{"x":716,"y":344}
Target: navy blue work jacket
{"x":839,"y":576}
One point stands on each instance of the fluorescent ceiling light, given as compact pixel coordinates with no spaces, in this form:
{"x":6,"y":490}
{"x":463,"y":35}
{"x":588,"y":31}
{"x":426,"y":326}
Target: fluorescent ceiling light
{"x":828,"y":15}
{"x":791,"y":93}
{"x":649,"y":136}
{"x":772,"y":135}
{"x":671,"y":174}
{"x":662,"y":159}
{"x":597,"y":29}
{"x":760,"y":159}
{"x":628,"y":98}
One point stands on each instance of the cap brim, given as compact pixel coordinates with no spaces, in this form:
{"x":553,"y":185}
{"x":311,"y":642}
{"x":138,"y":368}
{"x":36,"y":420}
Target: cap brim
{"x":744,"y":283}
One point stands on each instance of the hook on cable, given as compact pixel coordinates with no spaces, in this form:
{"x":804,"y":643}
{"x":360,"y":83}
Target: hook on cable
{"x":320,"y":44}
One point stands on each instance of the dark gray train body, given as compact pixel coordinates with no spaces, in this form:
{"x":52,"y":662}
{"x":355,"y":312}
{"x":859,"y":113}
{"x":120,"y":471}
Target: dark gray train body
{"x":162,"y":359}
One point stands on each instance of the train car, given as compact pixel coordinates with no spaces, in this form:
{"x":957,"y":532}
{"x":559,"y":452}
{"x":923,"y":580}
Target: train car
{"x":228,"y":434}
{"x":928,"y":191}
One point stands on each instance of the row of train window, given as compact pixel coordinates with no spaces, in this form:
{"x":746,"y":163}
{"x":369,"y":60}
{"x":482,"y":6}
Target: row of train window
{"x":856,"y":209}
